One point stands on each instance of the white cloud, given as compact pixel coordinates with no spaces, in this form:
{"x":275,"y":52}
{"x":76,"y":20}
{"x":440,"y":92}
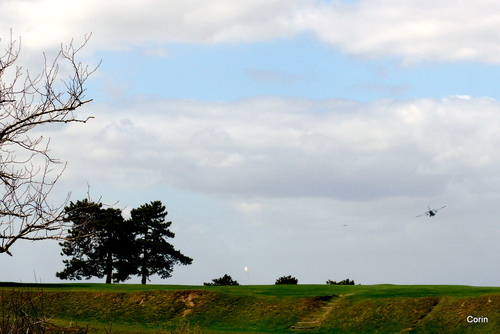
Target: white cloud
{"x":413,"y":30}
{"x":423,"y":30}
{"x":118,"y":24}
{"x":283,"y":147}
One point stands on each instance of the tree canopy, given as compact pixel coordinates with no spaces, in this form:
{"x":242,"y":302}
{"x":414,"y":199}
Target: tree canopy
{"x":102,"y":243}
{"x":155,"y":254}
{"x":225,"y":280}
{"x":286,"y":280}
{"x":98,"y":243}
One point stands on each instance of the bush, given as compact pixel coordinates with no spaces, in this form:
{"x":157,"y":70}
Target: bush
{"x":224,"y":280}
{"x":22,"y":312}
{"x":287,"y":280}
{"x":344,"y":282}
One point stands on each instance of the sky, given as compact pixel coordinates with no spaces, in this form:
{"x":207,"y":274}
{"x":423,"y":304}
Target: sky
{"x":291,"y":137}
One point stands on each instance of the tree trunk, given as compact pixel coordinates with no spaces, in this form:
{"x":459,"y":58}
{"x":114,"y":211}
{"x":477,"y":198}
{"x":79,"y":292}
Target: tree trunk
{"x":109,"y":267}
{"x":144,"y":269}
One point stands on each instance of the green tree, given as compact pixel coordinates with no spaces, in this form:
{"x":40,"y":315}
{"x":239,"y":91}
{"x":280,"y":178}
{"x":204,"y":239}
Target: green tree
{"x":155,"y":254}
{"x":225,"y":280}
{"x":286,"y":280}
{"x":98,"y":243}
{"x":344,"y":282}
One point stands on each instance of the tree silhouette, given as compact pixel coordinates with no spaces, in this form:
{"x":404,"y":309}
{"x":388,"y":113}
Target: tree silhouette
{"x":154,"y":255}
{"x":344,"y":282}
{"x":225,"y":280}
{"x":286,"y":280}
{"x":99,"y":243}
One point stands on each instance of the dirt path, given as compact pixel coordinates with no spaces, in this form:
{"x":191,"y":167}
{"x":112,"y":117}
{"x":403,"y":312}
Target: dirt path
{"x":315,"y":318}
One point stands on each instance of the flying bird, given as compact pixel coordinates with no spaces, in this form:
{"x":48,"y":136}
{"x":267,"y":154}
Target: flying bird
{"x":431,"y":213}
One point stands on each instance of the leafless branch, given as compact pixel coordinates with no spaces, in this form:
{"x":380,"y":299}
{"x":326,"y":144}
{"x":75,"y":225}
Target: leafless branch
{"x":26,"y":169}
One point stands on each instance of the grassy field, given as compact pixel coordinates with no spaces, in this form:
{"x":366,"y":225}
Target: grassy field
{"x":130,"y":308}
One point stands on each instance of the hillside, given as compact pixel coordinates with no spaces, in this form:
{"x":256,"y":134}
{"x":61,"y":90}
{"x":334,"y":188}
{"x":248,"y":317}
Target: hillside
{"x":270,"y":309}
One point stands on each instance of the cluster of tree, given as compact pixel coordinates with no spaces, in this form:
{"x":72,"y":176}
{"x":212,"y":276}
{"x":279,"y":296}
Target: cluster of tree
{"x":225,"y":280}
{"x":102,"y":243}
{"x":287,"y":280}
{"x":344,"y":282}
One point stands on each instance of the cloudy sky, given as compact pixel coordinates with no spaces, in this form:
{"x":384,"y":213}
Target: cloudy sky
{"x":292,"y":137}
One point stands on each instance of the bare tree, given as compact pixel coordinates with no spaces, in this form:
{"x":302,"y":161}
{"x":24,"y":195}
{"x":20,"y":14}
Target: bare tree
{"x":27,"y":173}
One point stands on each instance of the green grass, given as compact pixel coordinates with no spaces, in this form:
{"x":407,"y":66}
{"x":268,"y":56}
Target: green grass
{"x":301,"y":290}
{"x":135,"y":308}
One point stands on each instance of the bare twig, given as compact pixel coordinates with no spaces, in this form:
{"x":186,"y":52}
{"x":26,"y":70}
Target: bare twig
{"x":26,"y":169}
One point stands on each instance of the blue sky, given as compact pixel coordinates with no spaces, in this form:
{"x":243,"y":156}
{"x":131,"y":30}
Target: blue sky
{"x":298,"y":66}
{"x":266,"y":126}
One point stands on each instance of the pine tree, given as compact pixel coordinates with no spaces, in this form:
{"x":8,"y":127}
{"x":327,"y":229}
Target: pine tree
{"x":154,"y":254}
{"x":98,"y":243}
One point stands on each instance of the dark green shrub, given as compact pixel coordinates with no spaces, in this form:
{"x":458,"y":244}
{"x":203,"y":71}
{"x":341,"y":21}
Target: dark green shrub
{"x":344,"y":282}
{"x":224,"y":280}
{"x":287,"y":280}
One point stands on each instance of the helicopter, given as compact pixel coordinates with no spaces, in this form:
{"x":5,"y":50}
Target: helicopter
{"x":431,"y":213}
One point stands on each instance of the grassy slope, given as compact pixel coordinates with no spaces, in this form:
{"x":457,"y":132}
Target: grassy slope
{"x":359,"y":309}
{"x":301,"y":290}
